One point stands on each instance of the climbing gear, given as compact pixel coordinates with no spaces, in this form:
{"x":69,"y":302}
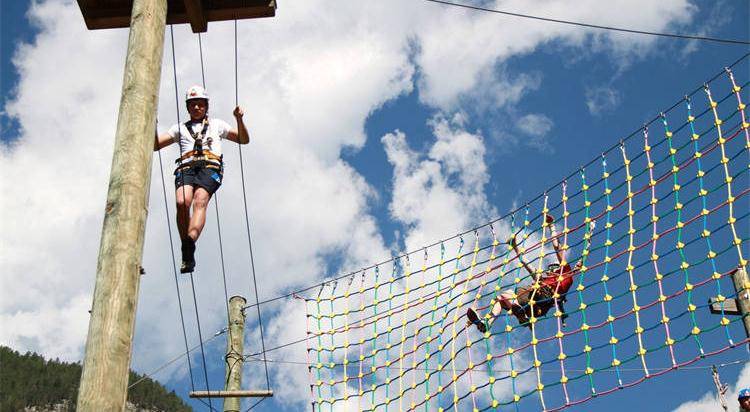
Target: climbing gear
{"x":196,"y":92}
{"x":744,"y":393}
{"x":473,"y":318}
{"x":199,"y":157}
{"x":203,"y":158}
{"x":553,"y":267}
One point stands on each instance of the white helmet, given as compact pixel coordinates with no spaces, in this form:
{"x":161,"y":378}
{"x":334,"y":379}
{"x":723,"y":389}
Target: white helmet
{"x":196,"y":92}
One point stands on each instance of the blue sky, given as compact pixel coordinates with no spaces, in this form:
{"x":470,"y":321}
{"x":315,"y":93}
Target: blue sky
{"x":529,"y":109}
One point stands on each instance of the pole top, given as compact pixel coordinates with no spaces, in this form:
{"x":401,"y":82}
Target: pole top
{"x":110,"y":14}
{"x":236,"y":297}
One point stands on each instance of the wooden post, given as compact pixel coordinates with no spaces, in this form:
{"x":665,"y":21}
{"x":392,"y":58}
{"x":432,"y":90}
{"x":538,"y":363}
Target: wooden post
{"x":741,"y":286}
{"x":234,"y":357}
{"x":106,"y":365}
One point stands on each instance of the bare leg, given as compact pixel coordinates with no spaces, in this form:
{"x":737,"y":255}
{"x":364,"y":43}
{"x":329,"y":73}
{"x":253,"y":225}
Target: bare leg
{"x":198,"y":218}
{"x":502,"y":301}
{"x":184,"y":197}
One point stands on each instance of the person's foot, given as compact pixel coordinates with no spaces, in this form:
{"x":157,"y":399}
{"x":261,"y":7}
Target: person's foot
{"x":473,"y":318}
{"x":188,"y":256}
{"x":187,"y":267}
{"x":520,"y":314}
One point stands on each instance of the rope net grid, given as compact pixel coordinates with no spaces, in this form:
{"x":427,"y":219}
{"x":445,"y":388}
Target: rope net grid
{"x":656,"y":227}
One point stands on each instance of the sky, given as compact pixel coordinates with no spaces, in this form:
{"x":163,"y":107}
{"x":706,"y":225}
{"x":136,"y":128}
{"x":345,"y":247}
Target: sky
{"x":377,"y":128}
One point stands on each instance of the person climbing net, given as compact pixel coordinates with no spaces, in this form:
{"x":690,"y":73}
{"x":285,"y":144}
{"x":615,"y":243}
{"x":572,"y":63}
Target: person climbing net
{"x":548,"y":289}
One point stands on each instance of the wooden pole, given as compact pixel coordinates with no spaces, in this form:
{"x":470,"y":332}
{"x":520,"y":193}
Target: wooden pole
{"x":104,"y":379}
{"x":234,"y":357}
{"x":742,"y":287}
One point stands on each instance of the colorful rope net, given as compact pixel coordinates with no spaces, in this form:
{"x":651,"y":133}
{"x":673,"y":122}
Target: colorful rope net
{"x":655,"y":227}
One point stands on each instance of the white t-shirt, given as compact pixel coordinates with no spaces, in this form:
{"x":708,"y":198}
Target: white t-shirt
{"x":217,"y":131}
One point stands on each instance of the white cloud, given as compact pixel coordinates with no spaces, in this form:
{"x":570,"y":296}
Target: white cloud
{"x":442,"y":192}
{"x":460,"y":45}
{"x":709,"y":402}
{"x":602,"y":99}
{"x":536,"y":126}
{"x":307,"y":86}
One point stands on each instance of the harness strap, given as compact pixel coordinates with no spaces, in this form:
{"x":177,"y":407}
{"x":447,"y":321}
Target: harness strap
{"x":204,"y":165}
{"x":206,"y":154}
{"x":198,"y":156}
{"x":198,"y":137}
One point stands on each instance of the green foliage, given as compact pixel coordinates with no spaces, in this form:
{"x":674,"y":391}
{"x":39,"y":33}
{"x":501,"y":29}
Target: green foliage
{"x":30,"y":380}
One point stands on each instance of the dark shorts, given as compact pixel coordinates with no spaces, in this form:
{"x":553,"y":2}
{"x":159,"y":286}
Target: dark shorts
{"x":543,"y":299}
{"x":207,"y":178}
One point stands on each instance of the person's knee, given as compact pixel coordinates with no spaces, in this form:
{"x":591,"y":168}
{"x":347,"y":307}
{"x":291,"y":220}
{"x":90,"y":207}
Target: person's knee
{"x":200,"y":200}
{"x":183,"y":201}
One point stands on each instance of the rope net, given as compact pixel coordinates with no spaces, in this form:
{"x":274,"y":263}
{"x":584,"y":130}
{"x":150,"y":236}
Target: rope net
{"x":650,"y":231}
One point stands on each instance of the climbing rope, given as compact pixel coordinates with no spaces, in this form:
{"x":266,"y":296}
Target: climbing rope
{"x":171,"y":246}
{"x":247,"y":219}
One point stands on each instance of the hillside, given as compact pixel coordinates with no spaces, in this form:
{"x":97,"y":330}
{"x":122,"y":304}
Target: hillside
{"x":29,"y":382}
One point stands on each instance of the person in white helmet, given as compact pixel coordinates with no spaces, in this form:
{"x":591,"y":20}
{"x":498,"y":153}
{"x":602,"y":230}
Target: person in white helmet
{"x":199,"y":167}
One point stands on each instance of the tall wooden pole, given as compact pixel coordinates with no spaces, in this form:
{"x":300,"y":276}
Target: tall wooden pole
{"x":234,"y":358}
{"x":741,"y":283}
{"x":106,"y":365}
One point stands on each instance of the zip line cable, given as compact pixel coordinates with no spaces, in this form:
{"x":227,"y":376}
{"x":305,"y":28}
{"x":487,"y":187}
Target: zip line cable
{"x":550,"y":370}
{"x":614,"y":146}
{"x":247,"y":215}
{"x":192,"y":279}
{"x":216,"y":199}
{"x":176,"y":358}
{"x":200,"y":337}
{"x":166,"y":211}
{"x":593,"y":26}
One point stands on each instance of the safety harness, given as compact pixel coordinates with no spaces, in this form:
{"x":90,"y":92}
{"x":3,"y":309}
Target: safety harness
{"x":199,"y":157}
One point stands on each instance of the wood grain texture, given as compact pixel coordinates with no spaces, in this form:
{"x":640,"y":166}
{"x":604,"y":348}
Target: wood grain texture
{"x":106,"y":364}
{"x":234,"y":357}
{"x":740,"y":280}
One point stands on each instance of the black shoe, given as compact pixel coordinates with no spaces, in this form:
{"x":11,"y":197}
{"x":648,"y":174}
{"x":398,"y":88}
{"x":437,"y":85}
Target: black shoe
{"x":187,"y":267}
{"x":188,"y":256}
{"x":473,"y":318}
{"x":520,"y":314}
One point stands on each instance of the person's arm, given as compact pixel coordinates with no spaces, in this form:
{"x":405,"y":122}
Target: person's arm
{"x":555,"y":243}
{"x":162,"y":140}
{"x":560,"y":301}
{"x":520,"y":258}
{"x":239,"y":135}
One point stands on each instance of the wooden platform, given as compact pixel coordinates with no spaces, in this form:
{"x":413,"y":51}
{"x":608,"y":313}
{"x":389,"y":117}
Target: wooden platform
{"x":231,"y":394}
{"x":109,"y":14}
{"x":730,"y":307}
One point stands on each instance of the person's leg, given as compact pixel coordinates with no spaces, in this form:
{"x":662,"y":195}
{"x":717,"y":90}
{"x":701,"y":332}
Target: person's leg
{"x":198,"y":217}
{"x":502,"y":302}
{"x":184,"y":197}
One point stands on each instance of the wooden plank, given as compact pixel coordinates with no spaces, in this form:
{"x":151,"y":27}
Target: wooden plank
{"x":730,"y":307}
{"x":231,"y":394}
{"x":194,"y":11}
{"x":110,"y":14}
